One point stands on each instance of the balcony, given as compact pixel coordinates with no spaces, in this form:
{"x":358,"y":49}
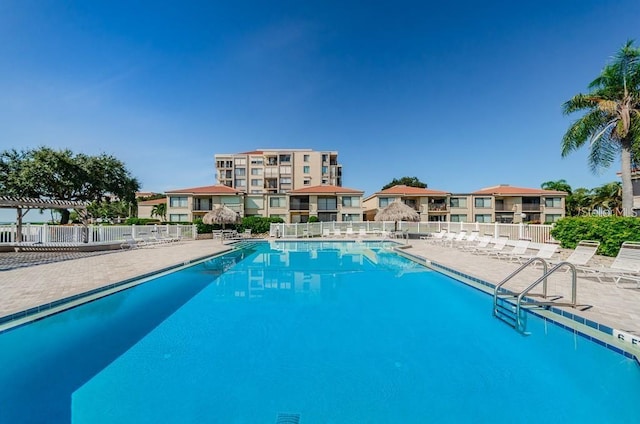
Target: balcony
{"x":437,"y":207}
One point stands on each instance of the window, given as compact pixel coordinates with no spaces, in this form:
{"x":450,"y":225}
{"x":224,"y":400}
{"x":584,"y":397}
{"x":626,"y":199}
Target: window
{"x":277,"y":202}
{"x":325,"y":170}
{"x":551,"y":217}
{"x":240,"y":161}
{"x":458,"y":202}
{"x":241,"y":182}
{"x":327,"y":203}
{"x":325,"y":181}
{"x":483,"y":218}
{"x":482,"y":202}
{"x":178,"y":202}
{"x":306,"y":181}
{"x":256,"y":183}
{"x":383,"y":202}
{"x":306,"y":169}
{"x":285,"y":158}
{"x":351,"y":217}
{"x":552,"y":202}
{"x":256,"y":191}
{"x":256,"y":171}
{"x":286,"y":180}
{"x":257,"y":161}
{"x":285,"y":170}
{"x":305,"y":158}
{"x":240,"y":172}
{"x":178,"y":217}
{"x":459,"y":218}
{"x":325,"y":158}
{"x":350,"y":202}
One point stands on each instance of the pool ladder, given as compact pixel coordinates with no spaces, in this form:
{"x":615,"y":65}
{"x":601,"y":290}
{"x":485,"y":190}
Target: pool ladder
{"x":509,"y":306}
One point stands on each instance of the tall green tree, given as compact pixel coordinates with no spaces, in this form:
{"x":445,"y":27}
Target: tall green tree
{"x":160,"y":210}
{"x":63,"y":175}
{"x":559,"y":185}
{"x":611,"y":123}
{"x":408,"y":181}
{"x":608,"y":196}
{"x":579,"y":202}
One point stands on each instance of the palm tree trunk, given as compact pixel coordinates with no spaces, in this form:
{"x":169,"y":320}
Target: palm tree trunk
{"x":627,"y":187}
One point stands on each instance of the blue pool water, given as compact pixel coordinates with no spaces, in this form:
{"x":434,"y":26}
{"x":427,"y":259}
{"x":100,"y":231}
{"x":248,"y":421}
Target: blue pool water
{"x":331,"y":332}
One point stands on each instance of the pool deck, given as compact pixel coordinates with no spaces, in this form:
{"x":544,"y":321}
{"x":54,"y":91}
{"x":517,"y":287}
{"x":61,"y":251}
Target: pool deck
{"x":27,"y":281}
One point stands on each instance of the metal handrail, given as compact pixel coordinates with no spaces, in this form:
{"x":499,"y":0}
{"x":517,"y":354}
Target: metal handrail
{"x":574,"y":286}
{"x":545,"y":265}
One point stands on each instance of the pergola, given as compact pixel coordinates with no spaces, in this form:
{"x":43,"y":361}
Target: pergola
{"x":26,"y":204}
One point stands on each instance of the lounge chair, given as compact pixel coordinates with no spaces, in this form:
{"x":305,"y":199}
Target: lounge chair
{"x":626,"y":266}
{"x":433,"y":236}
{"x":362,"y":233}
{"x":482,"y":242}
{"x":326,"y":232}
{"x":519,"y":248}
{"x":349,"y":233}
{"x":545,"y":251}
{"x":496,"y":246}
{"x":582,"y":254}
{"x":337,"y":232}
{"x":468,"y":239}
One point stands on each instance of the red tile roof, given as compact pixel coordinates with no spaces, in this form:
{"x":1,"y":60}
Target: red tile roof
{"x":254,"y":152}
{"x":404,"y":190}
{"x":325,"y":189}
{"x":513,"y":191}
{"x":213,"y":189}
{"x":153,"y":202}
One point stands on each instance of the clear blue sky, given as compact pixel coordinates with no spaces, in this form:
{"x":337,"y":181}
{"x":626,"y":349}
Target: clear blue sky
{"x":463,"y":94}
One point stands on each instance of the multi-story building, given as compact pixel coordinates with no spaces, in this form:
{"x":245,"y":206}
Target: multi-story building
{"x":502,"y":203}
{"x":188,"y":204}
{"x":507,"y":204}
{"x":270,"y":171}
{"x":327,"y":202}
{"x":432,"y":205}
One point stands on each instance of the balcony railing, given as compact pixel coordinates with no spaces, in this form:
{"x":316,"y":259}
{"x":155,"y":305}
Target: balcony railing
{"x":437,"y":207}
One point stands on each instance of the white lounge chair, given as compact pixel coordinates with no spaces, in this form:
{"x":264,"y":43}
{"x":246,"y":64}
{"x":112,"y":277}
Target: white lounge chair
{"x":626,"y":266}
{"x":326,"y":232}
{"x":362,"y":233}
{"x":519,"y":248}
{"x":349,"y":233}
{"x":482,"y":242}
{"x":496,"y":245}
{"x":337,"y":232}
{"x":433,"y":236}
{"x":582,"y":254}
{"x":545,"y":251}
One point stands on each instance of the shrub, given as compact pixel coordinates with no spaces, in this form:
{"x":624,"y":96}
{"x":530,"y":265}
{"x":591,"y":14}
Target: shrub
{"x":258,"y":224}
{"x":313,"y":218}
{"x":610,"y":231}
{"x":140,"y":221}
{"x":208,"y":228}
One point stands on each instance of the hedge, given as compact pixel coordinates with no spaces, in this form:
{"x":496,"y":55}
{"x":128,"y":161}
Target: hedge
{"x":610,"y":231}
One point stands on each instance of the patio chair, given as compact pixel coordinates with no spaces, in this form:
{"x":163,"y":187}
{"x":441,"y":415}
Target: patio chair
{"x":337,"y":232}
{"x":468,"y":239}
{"x":432,"y":236}
{"x":519,"y":248}
{"x":626,"y":266}
{"x":349,"y":233}
{"x":362,"y":233}
{"x":545,"y":251}
{"x":481,"y":242}
{"x":498,"y":245}
{"x":582,"y":254}
{"x":326,"y":232}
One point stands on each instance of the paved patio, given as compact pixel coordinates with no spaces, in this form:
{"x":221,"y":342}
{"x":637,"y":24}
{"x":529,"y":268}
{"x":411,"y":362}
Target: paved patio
{"x":29,"y":282}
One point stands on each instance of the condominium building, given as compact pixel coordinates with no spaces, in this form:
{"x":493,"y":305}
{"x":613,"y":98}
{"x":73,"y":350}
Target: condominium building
{"x":270,"y":171}
{"x":188,"y":204}
{"x":431,"y":205}
{"x":501,"y":203}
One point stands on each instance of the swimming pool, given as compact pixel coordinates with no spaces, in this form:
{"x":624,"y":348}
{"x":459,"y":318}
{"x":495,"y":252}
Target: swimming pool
{"x":327,"y":332}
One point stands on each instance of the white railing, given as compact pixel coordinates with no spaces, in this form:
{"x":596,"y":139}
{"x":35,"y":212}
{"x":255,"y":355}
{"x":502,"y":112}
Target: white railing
{"x":45,"y":233}
{"x":537,"y":233}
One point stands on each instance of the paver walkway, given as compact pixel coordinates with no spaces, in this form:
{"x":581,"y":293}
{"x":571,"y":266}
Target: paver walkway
{"x":23,"y":287}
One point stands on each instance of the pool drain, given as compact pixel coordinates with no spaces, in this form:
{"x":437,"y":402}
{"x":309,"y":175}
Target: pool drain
{"x":288,"y":419}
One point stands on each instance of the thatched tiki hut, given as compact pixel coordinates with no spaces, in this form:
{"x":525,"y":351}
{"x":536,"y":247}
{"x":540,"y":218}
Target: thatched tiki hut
{"x":397,"y":211}
{"x":220,"y":215}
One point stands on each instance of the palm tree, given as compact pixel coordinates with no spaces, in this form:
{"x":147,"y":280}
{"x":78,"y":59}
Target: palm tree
{"x":160,"y":210}
{"x":608,"y":196}
{"x":611,"y":123}
{"x":560,"y":185}
{"x":579,"y":202}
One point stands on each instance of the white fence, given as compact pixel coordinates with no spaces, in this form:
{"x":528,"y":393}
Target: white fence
{"x":534,"y":232}
{"x":45,"y":233}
